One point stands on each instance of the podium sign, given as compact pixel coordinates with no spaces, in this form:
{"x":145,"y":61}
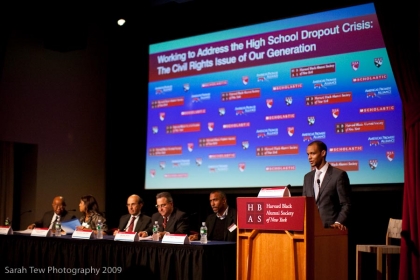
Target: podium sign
{"x":285,"y":213}
{"x":289,"y":228}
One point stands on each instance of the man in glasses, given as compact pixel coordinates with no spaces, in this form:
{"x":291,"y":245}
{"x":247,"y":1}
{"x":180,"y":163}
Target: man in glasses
{"x":134,"y":221}
{"x":49,"y":218}
{"x":170,"y":219}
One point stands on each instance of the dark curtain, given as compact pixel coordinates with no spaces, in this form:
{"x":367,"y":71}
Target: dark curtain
{"x":400,"y":26}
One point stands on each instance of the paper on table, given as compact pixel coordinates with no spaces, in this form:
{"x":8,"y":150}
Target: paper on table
{"x":70,"y":226}
{"x":150,"y":237}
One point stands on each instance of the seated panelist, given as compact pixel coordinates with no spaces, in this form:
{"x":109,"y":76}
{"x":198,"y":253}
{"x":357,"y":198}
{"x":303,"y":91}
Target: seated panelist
{"x":90,"y":214}
{"x":49,"y":218}
{"x":170,"y":219}
{"x":222,"y":223}
{"x":134,"y":221}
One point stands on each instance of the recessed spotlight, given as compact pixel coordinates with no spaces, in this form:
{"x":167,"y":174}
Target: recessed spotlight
{"x":121,"y":22}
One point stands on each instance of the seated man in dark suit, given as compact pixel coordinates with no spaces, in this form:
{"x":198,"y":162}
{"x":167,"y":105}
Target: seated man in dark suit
{"x":221,"y":225}
{"x":170,"y":219}
{"x":134,"y":221}
{"x":49,"y":218}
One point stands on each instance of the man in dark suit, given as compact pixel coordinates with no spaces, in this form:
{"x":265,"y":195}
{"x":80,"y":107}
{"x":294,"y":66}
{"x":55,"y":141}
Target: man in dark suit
{"x":49,"y":218}
{"x":221,"y":225}
{"x":134,"y":221}
{"x":329,"y":185}
{"x":170,"y":219}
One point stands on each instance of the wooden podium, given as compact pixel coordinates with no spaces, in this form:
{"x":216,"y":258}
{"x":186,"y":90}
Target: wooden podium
{"x":283,"y":238}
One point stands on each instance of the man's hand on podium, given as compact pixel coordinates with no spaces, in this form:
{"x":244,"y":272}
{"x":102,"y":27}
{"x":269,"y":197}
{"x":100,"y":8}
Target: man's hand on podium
{"x":339,"y":226}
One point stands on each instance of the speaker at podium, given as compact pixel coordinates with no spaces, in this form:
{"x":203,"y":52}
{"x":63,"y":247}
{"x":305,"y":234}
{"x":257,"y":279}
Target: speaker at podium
{"x":282,"y":237}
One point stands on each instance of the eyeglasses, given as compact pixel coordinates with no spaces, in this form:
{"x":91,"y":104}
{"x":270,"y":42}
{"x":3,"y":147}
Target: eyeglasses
{"x":161,"y":206}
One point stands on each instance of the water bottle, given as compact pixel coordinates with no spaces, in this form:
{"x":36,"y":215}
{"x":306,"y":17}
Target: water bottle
{"x":58,"y":227}
{"x":7,"y":222}
{"x":156,"y":231}
{"x":99,"y":233}
{"x":203,"y":233}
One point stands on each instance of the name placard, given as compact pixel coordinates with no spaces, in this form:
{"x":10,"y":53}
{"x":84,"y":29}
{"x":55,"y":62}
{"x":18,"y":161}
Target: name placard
{"x":41,"y":232}
{"x":6,"y":230}
{"x":274,"y":192}
{"x":82,"y":234}
{"x":175,"y":238}
{"x":126,"y":236}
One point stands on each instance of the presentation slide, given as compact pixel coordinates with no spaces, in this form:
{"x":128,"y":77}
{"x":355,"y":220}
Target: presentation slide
{"x":238,"y":108}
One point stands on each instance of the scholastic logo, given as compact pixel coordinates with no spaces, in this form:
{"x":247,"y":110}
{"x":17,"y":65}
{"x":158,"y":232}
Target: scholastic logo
{"x":378,"y":109}
{"x":370,"y":78}
{"x":254,"y":213}
{"x":163,"y":89}
{"x":317,"y":135}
